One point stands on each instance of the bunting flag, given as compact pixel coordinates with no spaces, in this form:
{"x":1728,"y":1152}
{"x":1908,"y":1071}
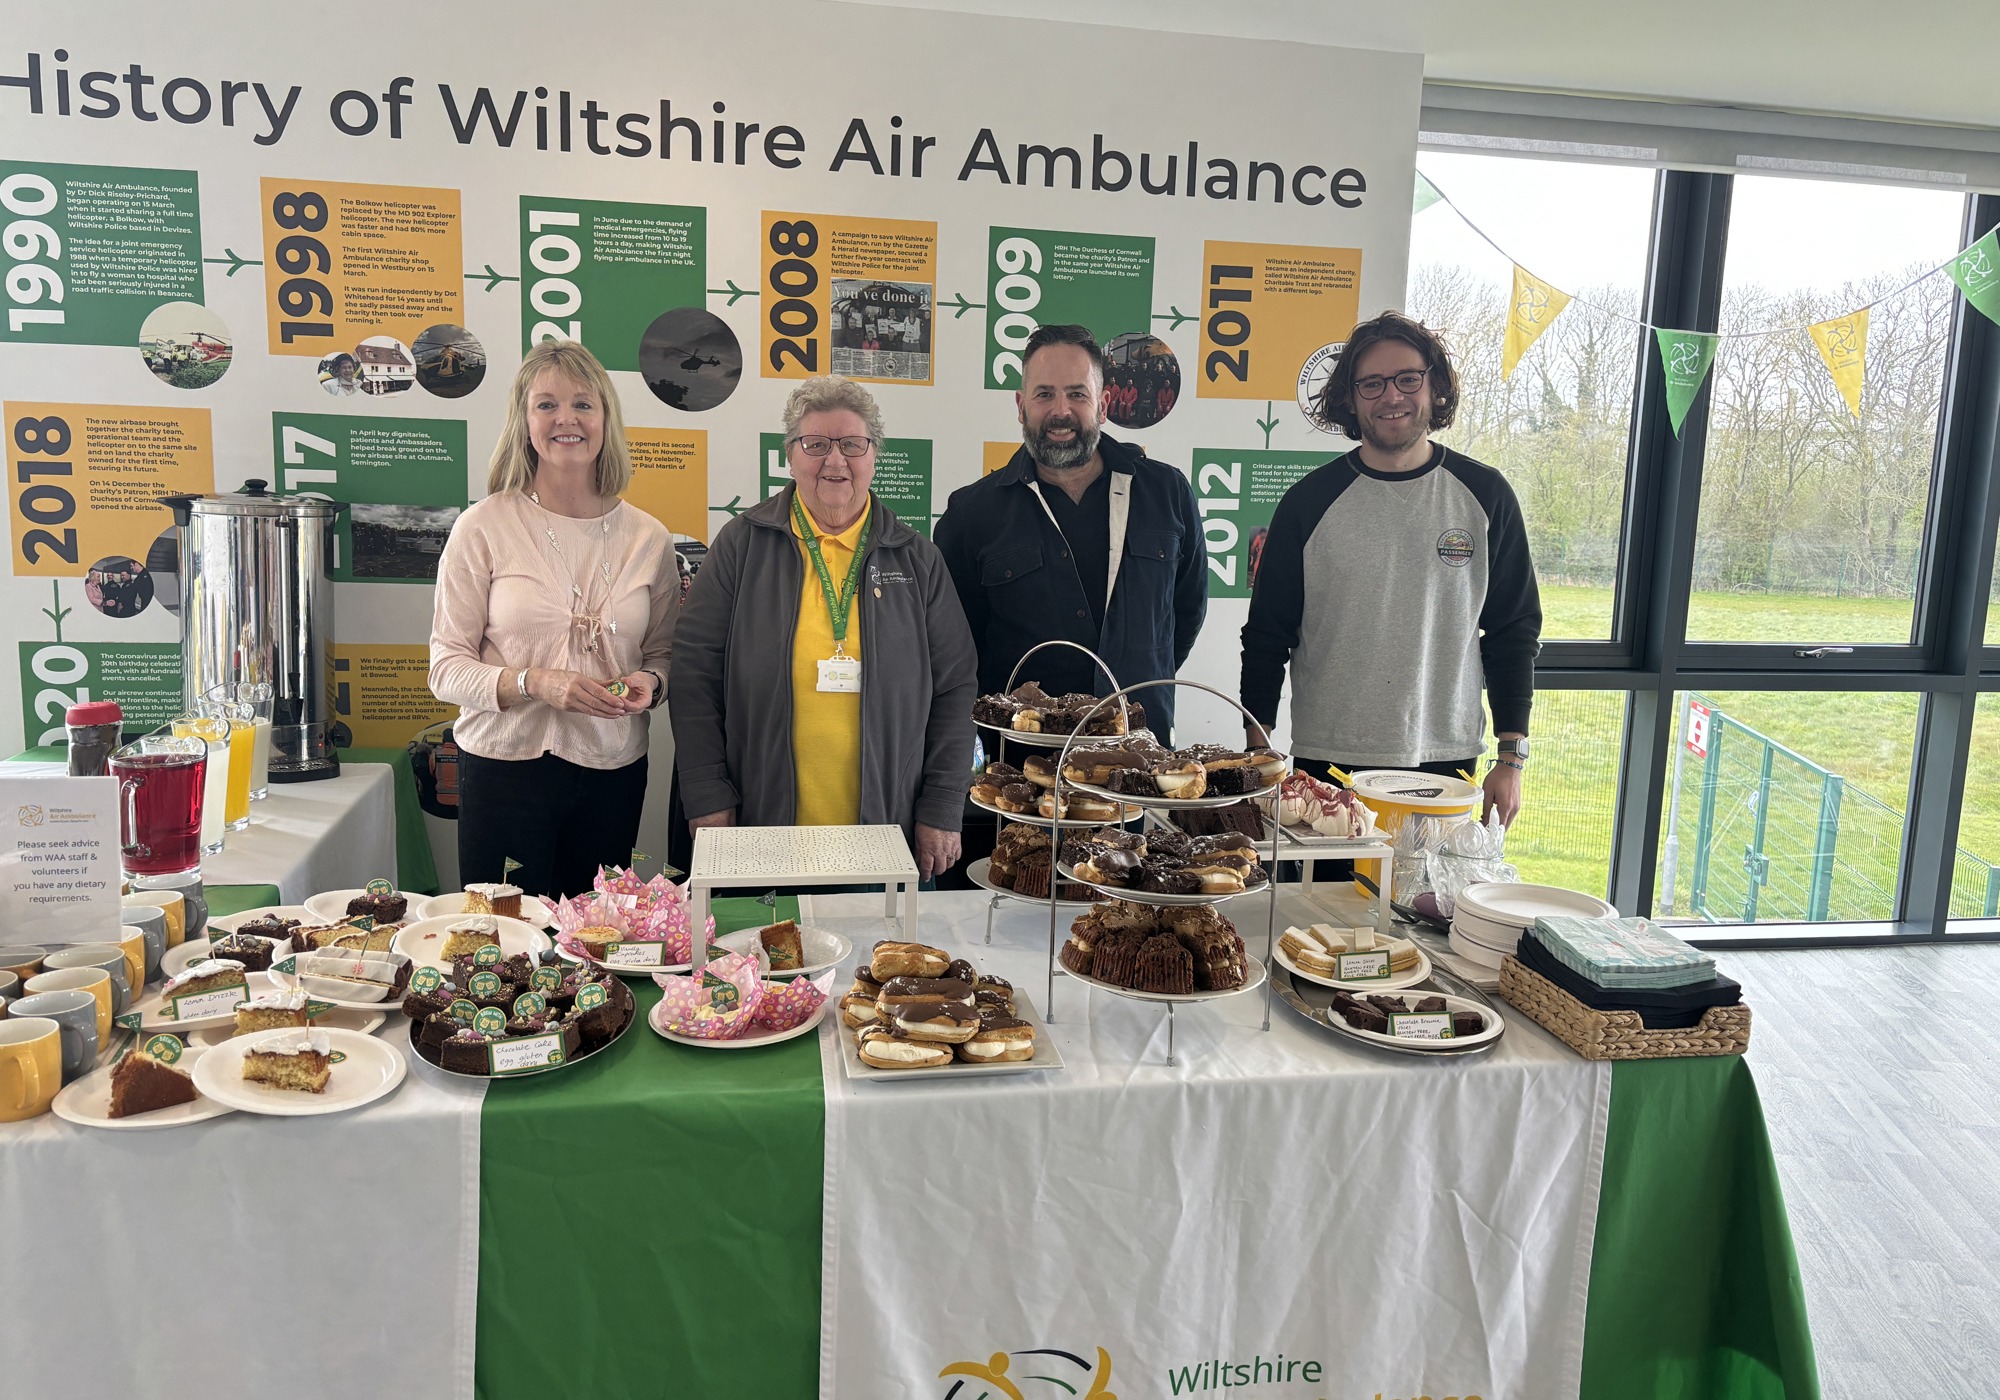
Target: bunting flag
{"x":1977,"y":272}
{"x":1684,"y":357}
{"x":1843,"y":344}
{"x":1426,"y":195}
{"x":1534,"y":308}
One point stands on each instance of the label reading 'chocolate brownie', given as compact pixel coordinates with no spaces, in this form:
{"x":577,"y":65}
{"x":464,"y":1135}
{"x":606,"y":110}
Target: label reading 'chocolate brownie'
{"x":1425,"y":1025}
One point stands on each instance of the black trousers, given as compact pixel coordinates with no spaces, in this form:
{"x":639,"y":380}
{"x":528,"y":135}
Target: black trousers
{"x":558,"y":819}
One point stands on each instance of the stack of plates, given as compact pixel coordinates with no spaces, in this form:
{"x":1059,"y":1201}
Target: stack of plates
{"x":1489,"y":919}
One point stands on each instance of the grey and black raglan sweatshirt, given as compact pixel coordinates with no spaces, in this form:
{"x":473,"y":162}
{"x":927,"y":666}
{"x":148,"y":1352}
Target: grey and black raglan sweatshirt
{"x":1394,"y":597}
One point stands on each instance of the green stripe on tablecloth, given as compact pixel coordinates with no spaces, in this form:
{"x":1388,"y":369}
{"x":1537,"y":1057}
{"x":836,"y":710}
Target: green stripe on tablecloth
{"x":234,"y":899}
{"x":664,"y":1200}
{"x":416,"y":868}
{"x":1694,"y":1289}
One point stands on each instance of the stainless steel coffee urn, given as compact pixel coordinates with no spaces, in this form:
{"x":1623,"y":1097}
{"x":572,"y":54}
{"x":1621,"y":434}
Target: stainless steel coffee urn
{"x":257,"y":605}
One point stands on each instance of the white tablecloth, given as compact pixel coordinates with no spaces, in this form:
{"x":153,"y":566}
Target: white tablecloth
{"x":1412,"y":1227}
{"x":335,"y":834}
{"x":247,"y":1256}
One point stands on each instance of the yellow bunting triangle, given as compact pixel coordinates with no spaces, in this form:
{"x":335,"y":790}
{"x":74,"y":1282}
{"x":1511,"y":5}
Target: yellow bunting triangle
{"x":1843,"y":344}
{"x":1533,"y":309}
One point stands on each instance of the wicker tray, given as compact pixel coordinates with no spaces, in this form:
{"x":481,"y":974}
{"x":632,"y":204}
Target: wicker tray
{"x":1619,"y":1035}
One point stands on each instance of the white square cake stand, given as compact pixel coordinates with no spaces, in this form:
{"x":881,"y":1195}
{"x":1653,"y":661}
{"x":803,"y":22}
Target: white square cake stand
{"x":780,"y":856}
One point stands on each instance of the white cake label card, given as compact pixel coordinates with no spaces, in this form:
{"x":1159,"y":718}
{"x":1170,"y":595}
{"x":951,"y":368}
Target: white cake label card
{"x":1424,"y":1025}
{"x":635,"y":955}
{"x":525,"y":1052}
{"x":221,"y":1002}
{"x":1361,"y":967}
{"x":840,"y":673}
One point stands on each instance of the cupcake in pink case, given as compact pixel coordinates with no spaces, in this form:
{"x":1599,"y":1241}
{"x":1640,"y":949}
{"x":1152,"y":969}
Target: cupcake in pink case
{"x":719,"y":1003}
{"x":585,"y":923}
{"x":792,"y":1003}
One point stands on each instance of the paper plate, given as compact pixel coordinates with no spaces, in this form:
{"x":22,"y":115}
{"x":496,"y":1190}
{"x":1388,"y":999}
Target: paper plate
{"x":741,"y":1042}
{"x":1253,"y":979}
{"x":87,"y":1101}
{"x":1396,"y":983}
{"x":1457,"y":1045}
{"x":338,"y":1019}
{"x":1132,"y":896}
{"x":1518,"y":906}
{"x":1131,"y":810}
{"x":821,"y":948}
{"x":372,"y":1067}
{"x":229,"y":923}
{"x":438,"y":906}
{"x":423,"y":941}
{"x":330,"y":906}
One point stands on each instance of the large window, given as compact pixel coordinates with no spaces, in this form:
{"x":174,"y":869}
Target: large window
{"x":1558,"y":426}
{"x":1763,"y":627}
{"x":1785,"y":807}
{"x":1812,"y":517}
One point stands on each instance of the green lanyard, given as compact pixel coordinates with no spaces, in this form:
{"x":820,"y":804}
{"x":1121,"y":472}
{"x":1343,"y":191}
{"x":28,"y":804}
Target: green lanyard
{"x":838,"y":608}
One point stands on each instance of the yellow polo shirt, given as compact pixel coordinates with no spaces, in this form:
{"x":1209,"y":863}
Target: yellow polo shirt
{"x":826,"y":726}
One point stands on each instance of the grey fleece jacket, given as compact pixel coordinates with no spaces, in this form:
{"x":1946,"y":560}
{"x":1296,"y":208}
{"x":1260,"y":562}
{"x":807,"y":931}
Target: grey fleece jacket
{"x":731,"y":687}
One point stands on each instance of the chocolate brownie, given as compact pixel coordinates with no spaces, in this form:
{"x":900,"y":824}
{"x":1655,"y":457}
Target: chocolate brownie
{"x":1165,"y":966}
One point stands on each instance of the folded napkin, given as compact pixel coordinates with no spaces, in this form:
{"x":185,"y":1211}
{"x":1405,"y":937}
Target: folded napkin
{"x":1623,"y":952}
{"x":1670,"y":1008}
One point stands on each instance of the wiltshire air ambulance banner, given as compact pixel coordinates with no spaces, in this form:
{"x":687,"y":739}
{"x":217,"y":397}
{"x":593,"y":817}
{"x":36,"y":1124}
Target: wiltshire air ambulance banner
{"x":311,"y":251}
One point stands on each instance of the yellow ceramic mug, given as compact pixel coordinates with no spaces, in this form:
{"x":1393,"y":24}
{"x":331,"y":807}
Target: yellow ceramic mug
{"x":173,"y":904}
{"x":94,"y":980}
{"x":133,"y":942}
{"x":30,"y":1066}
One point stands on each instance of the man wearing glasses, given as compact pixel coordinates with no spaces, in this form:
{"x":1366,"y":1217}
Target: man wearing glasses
{"x":1080,"y":538}
{"x":1396,"y":583}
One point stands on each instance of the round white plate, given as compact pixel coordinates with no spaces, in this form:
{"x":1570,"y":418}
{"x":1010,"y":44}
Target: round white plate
{"x":392,"y":1000}
{"x":1396,"y":983}
{"x":1029,"y":738}
{"x":977,"y":873}
{"x":180,"y":959}
{"x":423,"y":941}
{"x":1475,"y":952}
{"x":228,"y":923}
{"x":1457,"y":1045}
{"x":1252,"y":980}
{"x":438,"y":906}
{"x":342,"y":1019}
{"x":1501,"y":938}
{"x":821,"y":949}
{"x":87,"y":1101}
{"x":1132,"y":813}
{"x":741,"y":1042}
{"x":1171,"y":804}
{"x":1518,"y":906}
{"x":153,"y":1019}
{"x":1132,"y":896}
{"x":372,"y":1068}
{"x":330,"y":906}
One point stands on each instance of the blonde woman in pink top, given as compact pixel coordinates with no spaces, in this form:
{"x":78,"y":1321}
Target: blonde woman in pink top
{"x":552,"y":631}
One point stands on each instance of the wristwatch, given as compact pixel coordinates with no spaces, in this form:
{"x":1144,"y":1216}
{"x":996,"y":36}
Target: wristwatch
{"x":1517,"y":747}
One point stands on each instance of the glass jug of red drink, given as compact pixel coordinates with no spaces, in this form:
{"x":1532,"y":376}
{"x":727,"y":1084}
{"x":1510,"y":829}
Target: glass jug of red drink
{"x":160,"y":781}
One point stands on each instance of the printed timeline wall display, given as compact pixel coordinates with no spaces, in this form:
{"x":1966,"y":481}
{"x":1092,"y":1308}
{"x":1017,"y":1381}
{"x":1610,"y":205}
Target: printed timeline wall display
{"x":221,"y":260}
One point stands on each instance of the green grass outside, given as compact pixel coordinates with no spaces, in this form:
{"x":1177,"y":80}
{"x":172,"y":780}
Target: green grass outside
{"x":1564,"y":834}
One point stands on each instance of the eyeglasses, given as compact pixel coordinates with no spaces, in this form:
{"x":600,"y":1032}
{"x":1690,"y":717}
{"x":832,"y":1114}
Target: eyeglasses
{"x":1408,"y":382}
{"x":813,"y":445}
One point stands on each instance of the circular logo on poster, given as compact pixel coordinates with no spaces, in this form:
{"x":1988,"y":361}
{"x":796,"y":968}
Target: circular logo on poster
{"x":1313,"y":374}
{"x":1455,"y":548}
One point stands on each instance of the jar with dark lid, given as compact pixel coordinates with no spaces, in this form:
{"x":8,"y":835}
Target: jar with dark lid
{"x":94,"y":728}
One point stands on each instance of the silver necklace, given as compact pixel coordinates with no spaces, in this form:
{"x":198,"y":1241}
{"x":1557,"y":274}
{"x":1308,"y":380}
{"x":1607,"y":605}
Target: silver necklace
{"x":587,"y":628}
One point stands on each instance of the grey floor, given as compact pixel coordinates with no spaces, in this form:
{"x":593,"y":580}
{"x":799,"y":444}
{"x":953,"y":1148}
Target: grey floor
{"x":1879,"y":1069}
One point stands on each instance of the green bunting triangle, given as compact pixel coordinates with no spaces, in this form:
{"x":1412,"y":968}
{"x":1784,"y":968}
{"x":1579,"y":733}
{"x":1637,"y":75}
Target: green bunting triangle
{"x":1426,"y":195}
{"x":1977,"y":272}
{"x":1685,"y":357}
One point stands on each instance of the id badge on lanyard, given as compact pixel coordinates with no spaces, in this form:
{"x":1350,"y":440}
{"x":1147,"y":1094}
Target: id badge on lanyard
{"x":840,"y":673}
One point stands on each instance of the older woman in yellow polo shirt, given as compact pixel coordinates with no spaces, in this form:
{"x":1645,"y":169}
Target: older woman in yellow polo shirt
{"x":823,"y":672}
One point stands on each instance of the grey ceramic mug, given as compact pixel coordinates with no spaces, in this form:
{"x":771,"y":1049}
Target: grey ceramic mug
{"x":76,"y":1014}
{"x":108,"y":956}
{"x":189,"y":887}
{"x":152,"y":925}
